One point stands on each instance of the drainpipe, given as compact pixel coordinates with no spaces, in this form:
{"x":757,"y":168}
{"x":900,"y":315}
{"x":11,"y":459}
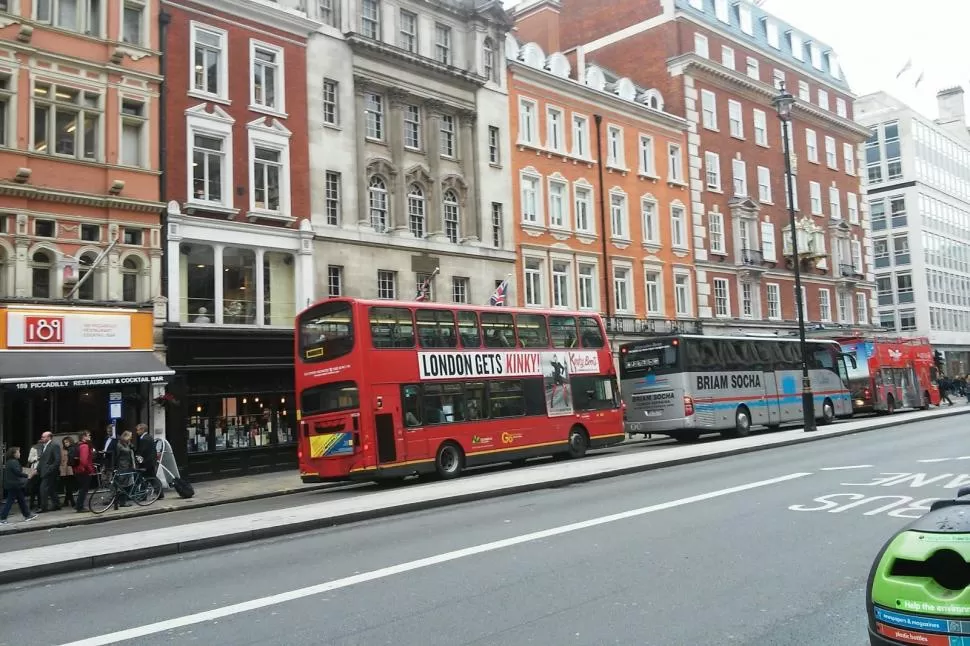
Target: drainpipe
{"x":603,"y":228}
{"x":164,"y":19}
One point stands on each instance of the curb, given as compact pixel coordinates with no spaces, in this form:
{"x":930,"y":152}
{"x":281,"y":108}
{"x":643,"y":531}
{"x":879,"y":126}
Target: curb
{"x":184,"y":547}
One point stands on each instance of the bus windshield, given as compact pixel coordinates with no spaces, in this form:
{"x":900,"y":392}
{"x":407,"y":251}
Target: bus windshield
{"x":861,"y":369}
{"x":653,"y":357}
{"x":326,"y":332}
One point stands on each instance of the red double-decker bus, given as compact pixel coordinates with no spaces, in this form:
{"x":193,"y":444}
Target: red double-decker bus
{"x":389,"y":389}
{"x":891,"y":373}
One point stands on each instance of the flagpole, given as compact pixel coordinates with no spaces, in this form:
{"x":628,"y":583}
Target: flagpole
{"x":94,"y":265}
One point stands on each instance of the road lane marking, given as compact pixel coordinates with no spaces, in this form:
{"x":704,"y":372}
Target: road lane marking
{"x":854,"y":466}
{"x":935,"y":460}
{"x":346,"y":582}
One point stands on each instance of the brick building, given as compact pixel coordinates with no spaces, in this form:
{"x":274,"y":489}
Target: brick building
{"x":719,"y":64}
{"x":80,"y":245}
{"x":600,"y":194}
{"x":238,"y":240}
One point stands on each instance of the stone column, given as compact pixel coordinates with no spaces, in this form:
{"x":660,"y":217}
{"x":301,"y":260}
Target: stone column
{"x":305,"y":278}
{"x":176,"y":299}
{"x":260,"y":287}
{"x":470,"y":216}
{"x":432,"y":133}
{"x":21,"y":261}
{"x":398,"y":225}
{"x":363,"y":209}
{"x":217,"y":272}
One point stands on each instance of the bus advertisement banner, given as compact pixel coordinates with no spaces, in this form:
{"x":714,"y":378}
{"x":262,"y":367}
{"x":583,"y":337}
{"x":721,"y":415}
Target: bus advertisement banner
{"x":462,"y":365}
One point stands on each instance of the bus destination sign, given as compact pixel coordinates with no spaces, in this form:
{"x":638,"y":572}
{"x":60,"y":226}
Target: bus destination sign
{"x":453,"y":365}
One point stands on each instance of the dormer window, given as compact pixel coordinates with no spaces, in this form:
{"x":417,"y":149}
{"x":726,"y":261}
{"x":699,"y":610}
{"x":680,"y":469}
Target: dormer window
{"x":797,"y":45}
{"x":771,"y":32}
{"x":816,"y":57}
{"x":834,"y":70}
{"x":721,"y":11}
{"x":744,"y":17}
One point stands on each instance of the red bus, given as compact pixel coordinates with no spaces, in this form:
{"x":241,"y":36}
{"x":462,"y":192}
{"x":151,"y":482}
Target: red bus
{"x":390,"y":389}
{"x":891,"y":373}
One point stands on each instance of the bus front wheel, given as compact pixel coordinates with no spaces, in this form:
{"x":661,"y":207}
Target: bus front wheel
{"x":449,"y":461}
{"x":828,"y":411}
{"x":578,"y":442}
{"x":742,"y":422}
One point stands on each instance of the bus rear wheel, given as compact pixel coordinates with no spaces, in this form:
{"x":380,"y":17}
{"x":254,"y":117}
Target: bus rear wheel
{"x":578,"y":442}
{"x":828,"y":411}
{"x":742,"y":423}
{"x":449,"y":461}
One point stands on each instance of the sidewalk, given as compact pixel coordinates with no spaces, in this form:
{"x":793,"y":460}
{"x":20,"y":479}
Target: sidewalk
{"x":101,"y":552}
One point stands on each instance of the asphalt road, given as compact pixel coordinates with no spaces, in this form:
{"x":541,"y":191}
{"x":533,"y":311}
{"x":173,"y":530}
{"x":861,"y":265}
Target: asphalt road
{"x":767,"y":548}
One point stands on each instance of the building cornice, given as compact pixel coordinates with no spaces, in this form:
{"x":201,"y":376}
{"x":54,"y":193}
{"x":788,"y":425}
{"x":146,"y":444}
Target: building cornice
{"x":266,"y":13}
{"x":732,"y":80}
{"x":586,"y":93}
{"x":105,"y":67}
{"x":25,"y":191}
{"x":367,"y":46}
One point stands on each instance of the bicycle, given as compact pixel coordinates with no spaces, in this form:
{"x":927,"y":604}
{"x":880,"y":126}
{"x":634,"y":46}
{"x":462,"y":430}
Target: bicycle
{"x":134,"y":485}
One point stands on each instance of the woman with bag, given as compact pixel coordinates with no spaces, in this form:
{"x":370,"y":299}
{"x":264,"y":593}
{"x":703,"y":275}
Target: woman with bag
{"x":14,"y":482}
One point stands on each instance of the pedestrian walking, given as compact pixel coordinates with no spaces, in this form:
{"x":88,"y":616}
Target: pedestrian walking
{"x":124,"y":461}
{"x":50,"y":472}
{"x":946,"y":385}
{"x":145,"y":453}
{"x":84,"y":469}
{"x":14,"y":483}
{"x":68,"y":484}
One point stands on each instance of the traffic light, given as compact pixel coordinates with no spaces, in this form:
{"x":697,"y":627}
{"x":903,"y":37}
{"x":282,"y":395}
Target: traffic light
{"x":938,"y":358}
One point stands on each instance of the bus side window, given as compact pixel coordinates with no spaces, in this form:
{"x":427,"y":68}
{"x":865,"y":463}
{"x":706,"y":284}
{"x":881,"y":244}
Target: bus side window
{"x":436,"y":329}
{"x":391,"y":327}
{"x":468,"y":330}
{"x":532,"y":332}
{"x":590,"y":332}
{"x":693,"y":351}
{"x":762,"y":353}
{"x":562,"y":329}
{"x":498,"y":329}
{"x":411,"y":405}
{"x":433,"y":404}
{"x":475,"y":401}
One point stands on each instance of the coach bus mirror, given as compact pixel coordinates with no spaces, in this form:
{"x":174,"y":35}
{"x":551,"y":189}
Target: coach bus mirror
{"x":964,"y":491}
{"x":851,"y":359}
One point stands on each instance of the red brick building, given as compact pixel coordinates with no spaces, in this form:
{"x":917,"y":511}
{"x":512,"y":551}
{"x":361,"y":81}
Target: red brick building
{"x":719,"y":64}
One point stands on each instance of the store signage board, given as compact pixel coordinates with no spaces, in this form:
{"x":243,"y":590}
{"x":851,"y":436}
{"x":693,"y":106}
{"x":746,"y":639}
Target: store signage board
{"x":88,"y":382}
{"x":65,"y":331}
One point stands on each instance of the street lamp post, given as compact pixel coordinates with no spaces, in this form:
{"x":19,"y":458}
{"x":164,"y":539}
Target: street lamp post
{"x":783,"y":103}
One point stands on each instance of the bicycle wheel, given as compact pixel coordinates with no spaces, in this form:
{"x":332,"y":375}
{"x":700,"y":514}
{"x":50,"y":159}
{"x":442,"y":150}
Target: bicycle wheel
{"x":147,"y":491}
{"x":101,"y":500}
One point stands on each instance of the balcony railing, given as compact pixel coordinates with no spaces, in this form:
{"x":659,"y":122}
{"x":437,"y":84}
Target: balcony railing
{"x":752,"y":256}
{"x":648,"y":327}
{"x":849,"y":271}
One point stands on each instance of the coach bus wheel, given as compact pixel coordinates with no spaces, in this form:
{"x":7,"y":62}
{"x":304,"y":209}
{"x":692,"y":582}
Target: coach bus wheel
{"x":578,"y":442}
{"x":828,"y":411}
{"x":925,"y":404}
{"x":742,"y":422}
{"x":450,"y":461}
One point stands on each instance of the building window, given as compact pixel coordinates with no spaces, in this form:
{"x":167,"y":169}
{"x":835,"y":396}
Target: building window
{"x":682,"y":300}
{"x":831,"y":159}
{"x":715,"y":230}
{"x":873,"y":156}
{"x":840,"y":108}
{"x":132,"y":133}
{"x":133,"y":23}
{"x":580,"y":136}
{"x":907,"y":320}
{"x":887,"y":320}
{"x":67,"y":121}
{"x":768,"y":250}
{"x":897,"y":211}
{"x":331,"y":115}
{"x":377,"y":199}
{"x":533,"y":281}
{"x":760,"y":128}
{"x":894,"y":164}
{"x":130,"y":270}
{"x":825,"y":305}
{"x":648,"y":217}
{"x":335,"y":281}
{"x":42,"y":274}
{"x":408,"y":36}
{"x":374,"y":116}
{"x":45,"y":228}
{"x":835,"y":203}
{"x":845,"y":307}
{"x":584,"y":208}
{"x":727,"y":57}
{"x":239,"y":286}
{"x":753,"y":69}
{"x":442,"y":44}
{"x":901,"y":254}
{"x":7,"y":96}
{"x":494,"y":146}
{"x":778,"y":78}
{"x":880,"y":252}
{"x":451,"y":216}
{"x":420,"y":280}
{"x":815,"y":197}
{"x":722,"y":298}
{"x":877,"y":215}
{"x":370,"y":19}
{"x":848,"y":158}
{"x":269,"y":181}
{"x":904,"y":287}
{"x":856,"y":256}
{"x":701,"y":46}
{"x":587,"y":284}
{"x":764,"y":185}
{"x":678,"y":227}
{"x":773,"y":294}
{"x":614,"y":147}
{"x":332,"y":197}
{"x":133,"y":237}
{"x":747,"y":300}
{"x":862,"y":309}
{"x":712,"y":165}
{"x":326,"y":12}
{"x":674,"y":163}
{"x":653,"y":281}
{"x":560,"y":284}
{"x":89,"y":232}
{"x":739,"y":172}
{"x":554,"y":134}
{"x":709,"y":109}
{"x":811,"y":146}
{"x":621,"y":289}
{"x":647,"y":166}
{"x":823,"y":99}
{"x":82,"y":16}
{"x":459,"y":290}
{"x":209,"y":63}
{"x":488,"y":59}
{"x":279,"y":300}
{"x":530,"y":199}
{"x":734,"y":119}
{"x":852,"y":206}
{"x":557,"y":204}
{"x":416,"y":211}
{"x":803,"y":92}
{"x":208,"y":168}
{"x":386,"y":284}
{"x":496,"y":225}
{"x":791,"y":192}
{"x":412,"y":127}
{"x":618,"y":215}
{"x":527,"y":122}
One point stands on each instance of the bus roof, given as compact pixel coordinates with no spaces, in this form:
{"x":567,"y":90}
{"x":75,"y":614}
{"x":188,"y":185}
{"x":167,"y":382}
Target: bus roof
{"x":726,"y":338}
{"x":449,"y":307}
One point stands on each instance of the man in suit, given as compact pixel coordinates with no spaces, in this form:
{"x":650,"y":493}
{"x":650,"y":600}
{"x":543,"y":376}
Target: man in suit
{"x":49,"y":468}
{"x":145,"y":453}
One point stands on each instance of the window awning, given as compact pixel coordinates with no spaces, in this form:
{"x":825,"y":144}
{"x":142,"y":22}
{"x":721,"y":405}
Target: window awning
{"x":43,"y":369}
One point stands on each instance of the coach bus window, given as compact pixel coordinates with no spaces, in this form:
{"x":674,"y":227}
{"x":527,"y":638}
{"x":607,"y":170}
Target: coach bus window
{"x":791,"y":357}
{"x":475,"y":400}
{"x":468,"y":330}
{"x":391,"y":327}
{"x":436,"y":329}
{"x":593,"y":393}
{"x":505,"y":399}
{"x":658,"y":357}
{"x":326,"y":332}
{"x":411,"y":405}
{"x":532,"y":331}
{"x":330,"y":398}
{"x":562,"y":329}
{"x":590,"y":332}
{"x":498,"y":330}
{"x":762,"y":351}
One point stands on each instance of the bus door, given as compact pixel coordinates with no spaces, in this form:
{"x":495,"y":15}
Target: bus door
{"x":910,"y":387}
{"x":388,"y":427}
{"x":772,"y":404}
{"x":413,"y":419}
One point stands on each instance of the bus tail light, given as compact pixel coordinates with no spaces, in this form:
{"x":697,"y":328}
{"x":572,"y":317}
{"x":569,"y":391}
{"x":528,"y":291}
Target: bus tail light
{"x":688,"y":406}
{"x":299,"y":454}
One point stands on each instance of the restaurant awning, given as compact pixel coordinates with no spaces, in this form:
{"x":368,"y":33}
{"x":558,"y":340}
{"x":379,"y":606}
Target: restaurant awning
{"x":39,"y":370}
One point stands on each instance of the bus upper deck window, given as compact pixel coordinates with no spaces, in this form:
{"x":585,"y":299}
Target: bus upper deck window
{"x":590,"y":332}
{"x":531,"y":329}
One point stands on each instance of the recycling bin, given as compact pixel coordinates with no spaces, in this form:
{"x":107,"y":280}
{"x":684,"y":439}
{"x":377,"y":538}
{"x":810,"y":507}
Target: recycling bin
{"x":919,"y":585}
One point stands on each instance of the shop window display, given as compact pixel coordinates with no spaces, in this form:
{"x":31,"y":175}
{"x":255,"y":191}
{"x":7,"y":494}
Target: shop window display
{"x":240,"y":422}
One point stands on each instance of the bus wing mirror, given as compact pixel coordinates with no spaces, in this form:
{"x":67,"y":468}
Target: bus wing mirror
{"x":851,"y":359}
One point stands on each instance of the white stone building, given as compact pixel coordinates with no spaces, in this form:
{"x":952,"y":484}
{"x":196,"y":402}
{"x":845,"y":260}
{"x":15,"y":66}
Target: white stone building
{"x":408,"y":117}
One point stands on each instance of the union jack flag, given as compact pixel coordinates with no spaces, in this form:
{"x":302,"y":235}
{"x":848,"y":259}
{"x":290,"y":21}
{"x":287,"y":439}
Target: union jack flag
{"x":498,"y":296}
{"x":424,"y":289}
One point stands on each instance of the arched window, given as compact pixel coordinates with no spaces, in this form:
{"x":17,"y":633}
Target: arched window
{"x":88,"y":288}
{"x":130,"y":279}
{"x":488,"y":59}
{"x":41,"y":270}
{"x":377,"y":194}
{"x":451,"y":215}
{"x":416,"y":212}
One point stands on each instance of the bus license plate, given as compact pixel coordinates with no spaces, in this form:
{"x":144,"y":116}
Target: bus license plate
{"x":654,"y":413}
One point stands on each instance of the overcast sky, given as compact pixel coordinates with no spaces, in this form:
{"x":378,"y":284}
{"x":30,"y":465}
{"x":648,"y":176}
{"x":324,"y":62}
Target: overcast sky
{"x":875,"y":38}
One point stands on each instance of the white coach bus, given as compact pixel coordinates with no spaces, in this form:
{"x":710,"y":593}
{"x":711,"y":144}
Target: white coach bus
{"x":686,"y":385}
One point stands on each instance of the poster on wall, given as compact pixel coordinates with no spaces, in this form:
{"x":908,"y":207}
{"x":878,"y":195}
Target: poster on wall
{"x":555,"y":380}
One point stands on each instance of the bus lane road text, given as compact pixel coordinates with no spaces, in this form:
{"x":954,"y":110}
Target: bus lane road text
{"x":870,"y":497}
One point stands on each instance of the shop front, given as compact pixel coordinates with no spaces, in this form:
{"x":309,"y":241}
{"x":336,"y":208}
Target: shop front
{"x":234,"y":411}
{"x":68,"y":369}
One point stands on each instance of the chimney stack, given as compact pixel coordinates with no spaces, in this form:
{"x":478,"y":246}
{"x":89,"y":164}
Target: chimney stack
{"x":952,"y":111}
